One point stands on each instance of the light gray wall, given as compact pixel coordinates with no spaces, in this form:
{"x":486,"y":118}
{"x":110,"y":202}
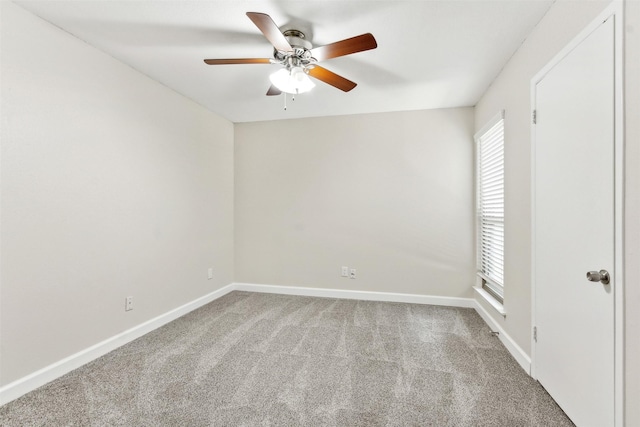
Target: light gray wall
{"x":388,"y":194}
{"x":112,"y":185}
{"x":632,"y":211}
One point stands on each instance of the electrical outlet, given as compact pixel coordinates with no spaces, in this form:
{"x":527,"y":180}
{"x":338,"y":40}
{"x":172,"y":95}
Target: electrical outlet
{"x":345,"y":271}
{"x":210,"y":273}
{"x":128,"y":304}
{"x":352,"y":273}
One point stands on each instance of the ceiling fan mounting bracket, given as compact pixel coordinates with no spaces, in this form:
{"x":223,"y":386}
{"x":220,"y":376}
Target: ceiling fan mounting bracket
{"x":297,"y":39}
{"x":294,"y":33}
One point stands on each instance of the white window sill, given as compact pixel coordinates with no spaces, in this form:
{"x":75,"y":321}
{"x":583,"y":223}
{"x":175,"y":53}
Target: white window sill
{"x":491,"y":300}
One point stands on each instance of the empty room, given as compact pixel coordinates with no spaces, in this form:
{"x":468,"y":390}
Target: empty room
{"x":320,"y":213}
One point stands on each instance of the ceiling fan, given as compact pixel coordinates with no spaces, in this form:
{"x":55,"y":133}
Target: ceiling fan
{"x":299,"y":59}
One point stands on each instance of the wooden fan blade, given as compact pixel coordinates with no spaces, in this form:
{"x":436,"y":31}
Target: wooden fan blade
{"x":345,"y":47}
{"x":273,"y":91}
{"x":270,"y":31}
{"x":331,"y":78}
{"x":237,"y":61}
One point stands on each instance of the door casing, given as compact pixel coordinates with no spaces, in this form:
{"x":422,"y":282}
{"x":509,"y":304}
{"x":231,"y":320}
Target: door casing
{"x":613,"y":11}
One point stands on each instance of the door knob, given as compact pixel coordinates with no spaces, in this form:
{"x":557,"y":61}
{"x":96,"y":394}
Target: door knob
{"x":598,"y":276}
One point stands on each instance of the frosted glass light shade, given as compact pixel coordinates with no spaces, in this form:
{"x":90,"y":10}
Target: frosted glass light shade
{"x":294,"y":81}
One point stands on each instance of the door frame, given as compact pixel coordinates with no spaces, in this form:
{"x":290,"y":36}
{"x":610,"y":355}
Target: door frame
{"x":614,"y":11}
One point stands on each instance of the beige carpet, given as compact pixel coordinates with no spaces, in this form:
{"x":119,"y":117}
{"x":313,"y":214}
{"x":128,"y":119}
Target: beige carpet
{"x":251,"y":359}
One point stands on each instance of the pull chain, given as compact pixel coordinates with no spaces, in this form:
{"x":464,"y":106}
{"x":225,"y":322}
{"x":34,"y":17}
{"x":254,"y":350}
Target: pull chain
{"x":293,"y":98}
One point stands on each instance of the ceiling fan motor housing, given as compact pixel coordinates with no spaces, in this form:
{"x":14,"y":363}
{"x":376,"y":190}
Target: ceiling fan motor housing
{"x":301,"y":55}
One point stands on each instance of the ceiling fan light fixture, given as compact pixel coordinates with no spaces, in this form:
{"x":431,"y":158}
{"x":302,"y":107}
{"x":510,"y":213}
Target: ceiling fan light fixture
{"x":292,"y":81}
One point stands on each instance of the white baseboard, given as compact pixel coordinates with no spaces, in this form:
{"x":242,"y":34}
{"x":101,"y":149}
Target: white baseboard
{"x":360,"y":295}
{"x":41,"y":377}
{"x":516,"y":351}
{"x":49,"y":373}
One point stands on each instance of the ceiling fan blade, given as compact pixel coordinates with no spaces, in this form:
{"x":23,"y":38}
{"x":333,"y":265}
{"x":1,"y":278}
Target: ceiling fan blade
{"x":345,"y":47}
{"x":331,"y":78}
{"x":273,"y":91}
{"x":270,"y":31}
{"x":237,"y":61}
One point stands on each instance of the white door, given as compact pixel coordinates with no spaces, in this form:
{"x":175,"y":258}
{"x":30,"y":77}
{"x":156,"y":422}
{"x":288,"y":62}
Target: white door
{"x":574,"y":230}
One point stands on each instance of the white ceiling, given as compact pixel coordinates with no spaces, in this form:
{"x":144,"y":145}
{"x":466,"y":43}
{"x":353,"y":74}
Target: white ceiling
{"x":431,"y":54}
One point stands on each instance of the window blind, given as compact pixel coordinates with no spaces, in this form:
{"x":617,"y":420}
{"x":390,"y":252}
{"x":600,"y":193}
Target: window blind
{"x":490,"y":205}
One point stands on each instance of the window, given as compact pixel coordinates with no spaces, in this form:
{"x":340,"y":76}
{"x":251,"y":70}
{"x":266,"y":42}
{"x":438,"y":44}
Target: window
{"x":490,"y":206}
